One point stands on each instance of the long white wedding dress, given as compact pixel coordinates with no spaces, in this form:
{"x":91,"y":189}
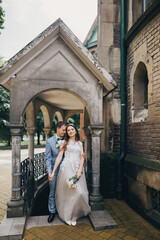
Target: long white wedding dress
{"x":71,"y":202}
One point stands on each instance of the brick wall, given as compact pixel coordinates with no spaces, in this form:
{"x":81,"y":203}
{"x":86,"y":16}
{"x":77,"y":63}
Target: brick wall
{"x":143,"y":138}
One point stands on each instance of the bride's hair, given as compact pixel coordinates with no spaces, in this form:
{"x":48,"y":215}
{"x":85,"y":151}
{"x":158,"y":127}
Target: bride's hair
{"x":66,"y":137}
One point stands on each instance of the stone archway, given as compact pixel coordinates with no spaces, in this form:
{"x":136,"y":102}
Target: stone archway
{"x":47,"y":121}
{"x":59,"y":116}
{"x":56,"y":62}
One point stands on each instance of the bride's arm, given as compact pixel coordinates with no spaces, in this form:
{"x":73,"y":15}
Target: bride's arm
{"x":58,"y":159}
{"x":80,"y":170}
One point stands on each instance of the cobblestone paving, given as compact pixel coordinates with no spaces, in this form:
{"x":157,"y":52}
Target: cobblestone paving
{"x":5,"y":190}
{"x":130,"y":227}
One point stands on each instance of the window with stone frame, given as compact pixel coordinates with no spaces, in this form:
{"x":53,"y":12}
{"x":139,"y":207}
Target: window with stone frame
{"x":140,"y":94}
{"x":139,"y":7}
{"x":147,"y":3}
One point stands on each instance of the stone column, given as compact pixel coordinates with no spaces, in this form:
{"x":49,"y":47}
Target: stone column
{"x":47,"y":132}
{"x":31,"y":132}
{"x":96,"y":200}
{"x":88,"y":156}
{"x":16,"y":204}
{"x":87,"y":143}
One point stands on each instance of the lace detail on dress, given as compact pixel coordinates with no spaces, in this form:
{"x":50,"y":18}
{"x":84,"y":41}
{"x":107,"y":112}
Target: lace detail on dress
{"x":72,"y":155}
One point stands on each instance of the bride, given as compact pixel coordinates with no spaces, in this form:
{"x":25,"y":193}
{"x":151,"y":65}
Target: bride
{"x":71,"y":203}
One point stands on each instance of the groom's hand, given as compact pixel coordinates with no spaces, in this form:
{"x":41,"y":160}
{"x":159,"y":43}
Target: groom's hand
{"x":50,"y":176}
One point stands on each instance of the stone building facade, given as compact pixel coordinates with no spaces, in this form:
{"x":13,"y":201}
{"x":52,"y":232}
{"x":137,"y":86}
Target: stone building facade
{"x":103,"y":41}
{"x":108,"y":54}
{"x":100,"y":78}
{"x":141,"y":186}
{"x":142,"y":166}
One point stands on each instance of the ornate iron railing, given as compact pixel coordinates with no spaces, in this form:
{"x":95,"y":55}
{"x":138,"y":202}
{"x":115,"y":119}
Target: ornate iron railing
{"x":39,"y":166}
{"x":32,"y":171}
{"x":156,"y":200}
{"x":24,"y":168}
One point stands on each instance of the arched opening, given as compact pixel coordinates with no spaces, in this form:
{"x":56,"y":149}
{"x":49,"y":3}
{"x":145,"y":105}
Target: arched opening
{"x":140,"y":93}
{"x":59,"y":116}
{"x":57,"y":109}
{"x":39,"y":127}
{"x":45,"y":116}
{"x":59,"y":72}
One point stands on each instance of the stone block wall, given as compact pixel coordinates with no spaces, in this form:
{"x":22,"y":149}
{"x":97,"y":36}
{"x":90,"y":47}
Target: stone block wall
{"x":108,"y":54}
{"x":143,"y":138}
{"x":141,"y":166}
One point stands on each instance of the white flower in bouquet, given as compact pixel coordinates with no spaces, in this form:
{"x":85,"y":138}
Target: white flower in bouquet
{"x":57,"y":145}
{"x":72,"y":182}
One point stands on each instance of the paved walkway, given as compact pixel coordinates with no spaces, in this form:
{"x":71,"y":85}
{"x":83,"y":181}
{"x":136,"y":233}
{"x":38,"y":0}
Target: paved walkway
{"x":130,"y":225}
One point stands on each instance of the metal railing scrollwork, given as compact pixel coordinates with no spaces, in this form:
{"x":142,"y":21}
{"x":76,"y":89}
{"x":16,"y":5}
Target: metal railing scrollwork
{"x":32,"y":171}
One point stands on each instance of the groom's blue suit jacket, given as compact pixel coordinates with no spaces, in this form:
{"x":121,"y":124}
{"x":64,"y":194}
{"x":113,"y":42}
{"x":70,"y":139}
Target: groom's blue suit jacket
{"x":51,"y":154}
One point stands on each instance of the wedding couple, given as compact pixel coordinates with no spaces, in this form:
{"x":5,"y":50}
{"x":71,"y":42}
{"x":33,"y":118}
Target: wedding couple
{"x":64,"y":160}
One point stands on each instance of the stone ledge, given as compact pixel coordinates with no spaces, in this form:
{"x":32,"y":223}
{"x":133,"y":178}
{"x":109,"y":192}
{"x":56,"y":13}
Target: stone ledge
{"x":144,"y":162}
{"x":101,"y":220}
{"x":12,"y":228}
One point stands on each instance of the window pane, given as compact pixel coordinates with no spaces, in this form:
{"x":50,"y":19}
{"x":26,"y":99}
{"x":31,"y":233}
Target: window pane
{"x":146,"y":4}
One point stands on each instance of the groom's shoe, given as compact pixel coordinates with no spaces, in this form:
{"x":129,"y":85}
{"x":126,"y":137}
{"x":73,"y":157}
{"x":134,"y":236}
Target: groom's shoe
{"x":51,"y":217}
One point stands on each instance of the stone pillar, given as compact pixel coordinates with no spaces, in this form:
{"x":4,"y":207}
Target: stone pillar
{"x":88,"y":156}
{"x":82,"y":135}
{"x":96,"y":200}
{"x":87,"y":143}
{"x":47,"y":132}
{"x":16,"y":204}
{"x":31,"y":132}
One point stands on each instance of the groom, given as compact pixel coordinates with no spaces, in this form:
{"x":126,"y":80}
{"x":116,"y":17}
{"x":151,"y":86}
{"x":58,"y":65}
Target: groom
{"x":52,"y":150}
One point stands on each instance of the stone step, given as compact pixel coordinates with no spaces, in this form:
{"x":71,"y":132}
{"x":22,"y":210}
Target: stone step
{"x":101,"y":220}
{"x":12,"y":228}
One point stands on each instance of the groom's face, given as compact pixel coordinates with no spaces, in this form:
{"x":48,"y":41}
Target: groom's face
{"x":61,"y":131}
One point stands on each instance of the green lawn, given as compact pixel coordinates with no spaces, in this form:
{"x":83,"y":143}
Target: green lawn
{"x":23,"y":144}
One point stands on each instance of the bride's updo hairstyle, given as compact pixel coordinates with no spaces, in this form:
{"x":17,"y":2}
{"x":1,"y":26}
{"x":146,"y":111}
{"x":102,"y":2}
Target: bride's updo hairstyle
{"x":66,"y":137}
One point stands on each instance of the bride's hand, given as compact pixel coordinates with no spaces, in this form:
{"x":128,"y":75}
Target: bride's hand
{"x":51,"y":176}
{"x":79,"y":173}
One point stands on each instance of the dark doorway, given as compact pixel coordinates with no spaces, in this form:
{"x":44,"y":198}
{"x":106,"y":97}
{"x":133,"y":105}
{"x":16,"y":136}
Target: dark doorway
{"x":40,"y":207}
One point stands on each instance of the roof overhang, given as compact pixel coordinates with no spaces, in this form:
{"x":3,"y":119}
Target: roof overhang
{"x":58,"y":28}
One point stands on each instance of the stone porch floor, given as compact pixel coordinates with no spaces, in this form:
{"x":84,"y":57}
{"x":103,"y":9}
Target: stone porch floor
{"x":131,"y":226}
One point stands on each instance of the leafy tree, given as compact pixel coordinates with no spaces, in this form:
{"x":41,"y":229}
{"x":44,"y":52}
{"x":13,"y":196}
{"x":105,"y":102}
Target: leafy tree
{"x":4,"y":111}
{"x":1,"y":16}
{"x":4,"y":114}
{"x":1,"y":61}
{"x":75,"y":119}
{"x":54,"y":123}
{"x":39,"y":125}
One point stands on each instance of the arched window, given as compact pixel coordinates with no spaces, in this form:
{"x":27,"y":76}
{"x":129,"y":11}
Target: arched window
{"x":146,"y":4}
{"x":140,"y":93}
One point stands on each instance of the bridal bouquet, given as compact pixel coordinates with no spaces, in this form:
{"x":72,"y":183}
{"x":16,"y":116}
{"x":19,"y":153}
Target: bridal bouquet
{"x":72,"y":182}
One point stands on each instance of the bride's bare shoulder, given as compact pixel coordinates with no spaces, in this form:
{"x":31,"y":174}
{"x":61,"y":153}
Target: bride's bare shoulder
{"x":80,"y":143}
